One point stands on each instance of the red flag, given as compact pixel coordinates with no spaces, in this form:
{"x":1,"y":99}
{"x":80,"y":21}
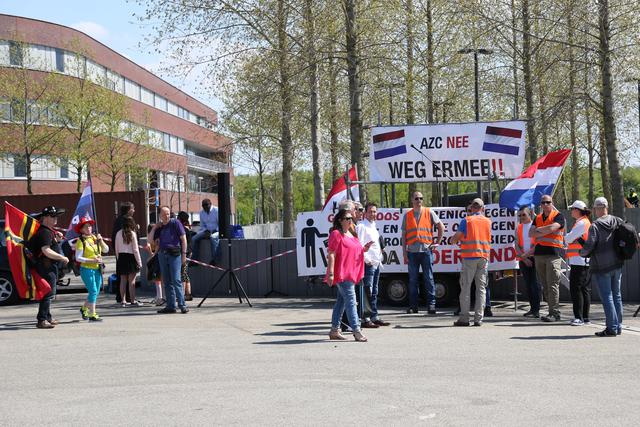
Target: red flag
{"x":19,"y":228}
{"x":339,"y":190}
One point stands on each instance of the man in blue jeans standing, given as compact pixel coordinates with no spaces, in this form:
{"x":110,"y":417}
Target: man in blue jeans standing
{"x":604,"y":265}
{"x":417,"y":243}
{"x":208,"y":230}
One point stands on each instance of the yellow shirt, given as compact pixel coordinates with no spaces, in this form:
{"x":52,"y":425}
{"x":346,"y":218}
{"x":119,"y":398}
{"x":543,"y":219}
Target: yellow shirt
{"x":89,"y":250}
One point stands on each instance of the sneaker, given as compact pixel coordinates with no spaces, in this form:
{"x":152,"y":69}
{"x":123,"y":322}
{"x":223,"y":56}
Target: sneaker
{"x":167,"y":310}
{"x":136,"y":303}
{"x":95,"y":318}
{"x":587,"y":321}
{"x":606,"y":333}
{"x":531,"y":314}
{"x":84,"y":311}
{"x":43,"y":324}
{"x":577,"y":322}
{"x":184,"y":309}
{"x":550,"y":318}
{"x":460,"y":323}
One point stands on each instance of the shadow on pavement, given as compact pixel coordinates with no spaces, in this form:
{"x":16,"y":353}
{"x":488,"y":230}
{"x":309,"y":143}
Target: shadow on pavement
{"x":291,"y":342}
{"x":553,"y":337}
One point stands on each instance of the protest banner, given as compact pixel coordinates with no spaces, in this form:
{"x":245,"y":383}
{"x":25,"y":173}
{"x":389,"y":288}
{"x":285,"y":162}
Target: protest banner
{"x":447,"y":152}
{"x":312,"y":234}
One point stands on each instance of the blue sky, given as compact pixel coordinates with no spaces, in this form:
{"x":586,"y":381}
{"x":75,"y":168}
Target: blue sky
{"x":110,"y":22}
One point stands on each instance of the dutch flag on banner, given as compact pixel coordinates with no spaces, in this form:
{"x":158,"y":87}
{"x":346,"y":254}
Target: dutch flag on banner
{"x":539,"y":179}
{"x":502,"y":140}
{"x":389,"y":144}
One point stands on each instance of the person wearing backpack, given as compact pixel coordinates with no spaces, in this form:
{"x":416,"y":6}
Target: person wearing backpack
{"x":605,"y":266}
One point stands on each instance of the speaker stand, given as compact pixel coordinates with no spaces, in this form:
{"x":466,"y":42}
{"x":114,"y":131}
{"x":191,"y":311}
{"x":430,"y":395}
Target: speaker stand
{"x":233,"y":278}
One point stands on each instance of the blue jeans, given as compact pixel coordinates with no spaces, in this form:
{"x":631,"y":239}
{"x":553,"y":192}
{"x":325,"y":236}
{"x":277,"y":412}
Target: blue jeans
{"x":195,"y":244}
{"x":92,"y":279}
{"x":170,"y":268}
{"x":370,"y":281}
{"x":609,"y":289}
{"x":417,"y":260}
{"x":346,"y":301}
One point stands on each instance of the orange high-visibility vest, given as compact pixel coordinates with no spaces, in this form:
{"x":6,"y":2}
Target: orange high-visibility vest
{"x":520,"y":241}
{"x":419,"y":232}
{"x":477,"y":243}
{"x":572,"y":250}
{"x":554,"y":239}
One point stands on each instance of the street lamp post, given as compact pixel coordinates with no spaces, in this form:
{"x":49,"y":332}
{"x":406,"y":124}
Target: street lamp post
{"x":476,"y":52}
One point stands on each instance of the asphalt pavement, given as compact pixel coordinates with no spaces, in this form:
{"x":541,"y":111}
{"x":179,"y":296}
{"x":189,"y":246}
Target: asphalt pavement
{"x":228,"y":364}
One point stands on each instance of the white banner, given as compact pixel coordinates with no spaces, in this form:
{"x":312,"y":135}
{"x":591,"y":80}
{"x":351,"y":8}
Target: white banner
{"x":447,"y":152}
{"x":312,"y":231}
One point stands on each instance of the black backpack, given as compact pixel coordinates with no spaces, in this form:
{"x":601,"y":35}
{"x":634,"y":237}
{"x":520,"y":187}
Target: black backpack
{"x":625,"y":240}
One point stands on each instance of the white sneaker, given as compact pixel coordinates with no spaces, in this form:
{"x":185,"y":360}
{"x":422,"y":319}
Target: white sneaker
{"x":577,"y":322}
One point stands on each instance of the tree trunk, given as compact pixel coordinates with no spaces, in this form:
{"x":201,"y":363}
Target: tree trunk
{"x":575,"y":185}
{"x":355,"y":89}
{"x":285,"y":130}
{"x":316,"y":143}
{"x":514,"y":40}
{"x":333,"y":119}
{"x":617,"y":192}
{"x":410,"y":77}
{"x":590,"y":149}
{"x":604,"y":163}
{"x":528,"y":82}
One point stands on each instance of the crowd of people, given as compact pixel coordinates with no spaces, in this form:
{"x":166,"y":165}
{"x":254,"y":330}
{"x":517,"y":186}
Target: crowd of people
{"x":542,"y":246}
{"x":169,"y":243}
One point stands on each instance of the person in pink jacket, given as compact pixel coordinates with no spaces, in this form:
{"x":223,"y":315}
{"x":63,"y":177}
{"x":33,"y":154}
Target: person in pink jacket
{"x":345,"y":268}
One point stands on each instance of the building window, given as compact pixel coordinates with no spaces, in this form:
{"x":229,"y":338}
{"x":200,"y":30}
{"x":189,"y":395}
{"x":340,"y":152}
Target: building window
{"x":64,"y":169}
{"x":60,"y":60}
{"x":16,"y":54}
{"x":146,"y":96}
{"x":132,"y":89}
{"x":19,"y":166}
{"x":160,"y":103}
{"x":166,"y":142}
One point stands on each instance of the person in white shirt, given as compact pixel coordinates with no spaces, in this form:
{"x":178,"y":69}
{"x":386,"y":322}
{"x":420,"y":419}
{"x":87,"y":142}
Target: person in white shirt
{"x":208,"y":230}
{"x":578,"y":284}
{"x":525,"y":246}
{"x":367,"y":232}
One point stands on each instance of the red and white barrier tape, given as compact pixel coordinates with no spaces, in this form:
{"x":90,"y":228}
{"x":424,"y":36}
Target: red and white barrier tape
{"x":205,"y":264}
{"x":251,"y":264}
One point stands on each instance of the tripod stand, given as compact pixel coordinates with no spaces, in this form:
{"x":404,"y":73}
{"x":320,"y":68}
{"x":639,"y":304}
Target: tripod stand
{"x":233,"y":278}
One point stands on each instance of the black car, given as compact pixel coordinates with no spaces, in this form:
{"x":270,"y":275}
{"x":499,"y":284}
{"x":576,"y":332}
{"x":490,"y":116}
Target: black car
{"x":8,"y":291}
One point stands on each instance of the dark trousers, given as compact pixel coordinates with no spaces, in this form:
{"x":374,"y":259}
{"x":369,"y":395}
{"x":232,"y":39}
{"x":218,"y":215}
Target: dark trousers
{"x":580,"y":291}
{"x":44,"y":309}
{"x":533,"y":288}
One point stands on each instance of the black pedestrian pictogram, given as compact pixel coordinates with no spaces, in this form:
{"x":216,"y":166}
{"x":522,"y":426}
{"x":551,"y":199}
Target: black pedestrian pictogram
{"x":308,"y":241}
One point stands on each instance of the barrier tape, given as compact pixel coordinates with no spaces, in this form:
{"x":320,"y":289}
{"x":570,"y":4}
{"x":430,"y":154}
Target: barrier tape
{"x":205,"y":264}
{"x":251,"y":264}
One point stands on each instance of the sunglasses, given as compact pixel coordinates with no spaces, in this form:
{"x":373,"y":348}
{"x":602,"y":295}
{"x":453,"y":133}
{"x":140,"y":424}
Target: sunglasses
{"x":418,"y":198}
{"x":347,"y":218}
{"x":545,"y":202}
{"x":360,"y":209}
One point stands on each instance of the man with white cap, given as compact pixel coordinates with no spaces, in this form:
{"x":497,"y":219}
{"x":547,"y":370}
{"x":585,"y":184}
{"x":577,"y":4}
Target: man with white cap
{"x":605,"y":265}
{"x":474,"y":236}
{"x":578,"y":285}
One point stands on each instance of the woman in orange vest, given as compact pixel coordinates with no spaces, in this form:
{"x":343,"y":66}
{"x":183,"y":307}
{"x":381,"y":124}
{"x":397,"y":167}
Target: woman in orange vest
{"x":578,"y":285}
{"x":525,"y":246}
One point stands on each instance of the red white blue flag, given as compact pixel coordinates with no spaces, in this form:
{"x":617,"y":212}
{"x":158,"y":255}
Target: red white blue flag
{"x":389,"y":144}
{"x":538,"y":180}
{"x":339,"y":191}
{"x":83,"y":210}
{"x":502,"y":140}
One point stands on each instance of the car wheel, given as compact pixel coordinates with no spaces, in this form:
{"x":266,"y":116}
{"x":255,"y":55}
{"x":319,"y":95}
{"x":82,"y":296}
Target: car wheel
{"x":396,"y":290}
{"x":8,"y":291}
{"x":447,"y":289}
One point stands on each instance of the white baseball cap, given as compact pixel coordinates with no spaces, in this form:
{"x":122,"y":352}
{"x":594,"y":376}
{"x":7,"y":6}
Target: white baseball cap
{"x":600,"y":202}
{"x":579,"y":204}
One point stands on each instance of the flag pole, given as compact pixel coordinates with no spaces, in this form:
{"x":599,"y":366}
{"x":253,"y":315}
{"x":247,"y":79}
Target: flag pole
{"x":564,"y":164}
{"x":93,"y":200}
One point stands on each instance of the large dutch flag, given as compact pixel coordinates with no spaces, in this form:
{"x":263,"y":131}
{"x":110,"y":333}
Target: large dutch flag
{"x":389,"y":144}
{"x":539,"y":179}
{"x":339,"y":191}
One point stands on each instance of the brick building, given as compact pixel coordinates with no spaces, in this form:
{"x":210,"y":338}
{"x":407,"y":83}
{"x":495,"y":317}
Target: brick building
{"x":189,"y":152}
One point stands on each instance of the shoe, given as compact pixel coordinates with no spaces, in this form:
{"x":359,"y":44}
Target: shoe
{"x":136,"y":303}
{"x":460,"y":323}
{"x":413,"y":310}
{"x":576,"y":322}
{"x":125,"y":304}
{"x":188,"y":297}
{"x":359,"y":337}
{"x":84,"y":311}
{"x":167,"y":310}
{"x":43,"y":324}
{"x":54,"y":322}
{"x":587,"y":321}
{"x":369,"y":324}
{"x":488,"y":312}
{"x":606,"y":333}
{"x":432,"y":309}
{"x":184,"y":309}
{"x":479,"y":323}
{"x":160,"y":302}
{"x":550,"y":318}
{"x":381,"y":322}
{"x":335,"y":334}
{"x":531,"y":314}
{"x":95,"y":318}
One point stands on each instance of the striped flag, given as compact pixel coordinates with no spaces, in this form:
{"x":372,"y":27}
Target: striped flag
{"x":538,"y":180}
{"x":502,"y":140}
{"x":83,"y":209}
{"x":389,"y":144}
{"x":19,"y":228}
{"x":339,"y":191}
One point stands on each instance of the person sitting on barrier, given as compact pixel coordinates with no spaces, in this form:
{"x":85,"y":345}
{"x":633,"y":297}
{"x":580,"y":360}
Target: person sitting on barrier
{"x":578,"y":282}
{"x":345,"y":268}
{"x":183,"y":217}
{"x":525,"y":246}
{"x":89,"y":250}
{"x":208,"y":230}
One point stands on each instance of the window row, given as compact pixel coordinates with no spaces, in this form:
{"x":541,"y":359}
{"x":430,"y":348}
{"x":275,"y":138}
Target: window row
{"x":54,"y":59}
{"x":42,"y":167}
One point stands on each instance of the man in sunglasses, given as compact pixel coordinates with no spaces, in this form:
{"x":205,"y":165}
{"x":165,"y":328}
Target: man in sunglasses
{"x":417,"y":243}
{"x":548,"y":231}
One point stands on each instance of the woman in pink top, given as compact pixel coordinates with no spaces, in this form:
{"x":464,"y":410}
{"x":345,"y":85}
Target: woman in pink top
{"x":344,"y":269}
